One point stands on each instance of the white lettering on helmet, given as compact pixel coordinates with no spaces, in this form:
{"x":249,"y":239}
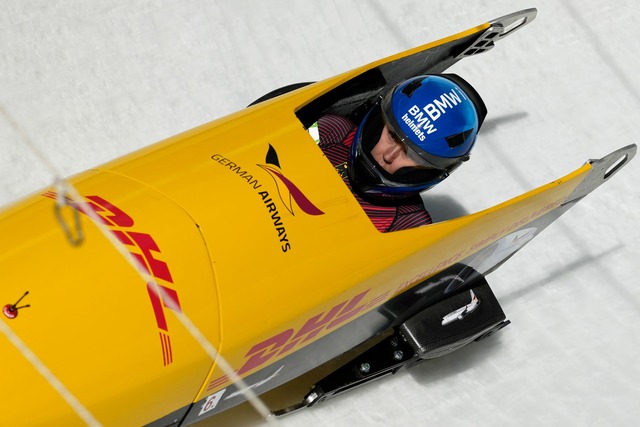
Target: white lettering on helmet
{"x":432,"y":111}
{"x":415,"y":128}
{"x":418,"y":121}
{"x":414,"y":110}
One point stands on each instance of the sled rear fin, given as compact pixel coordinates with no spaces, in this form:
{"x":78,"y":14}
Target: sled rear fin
{"x":364,"y":84}
{"x":603,"y":169}
{"x":499,"y":28}
{"x":436,"y":57}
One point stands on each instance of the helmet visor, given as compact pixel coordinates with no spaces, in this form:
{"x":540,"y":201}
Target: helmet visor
{"x":415,"y":153}
{"x":421,"y":173}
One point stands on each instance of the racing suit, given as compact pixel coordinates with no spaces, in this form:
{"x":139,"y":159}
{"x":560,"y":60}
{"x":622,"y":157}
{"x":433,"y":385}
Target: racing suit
{"x":336,"y":135}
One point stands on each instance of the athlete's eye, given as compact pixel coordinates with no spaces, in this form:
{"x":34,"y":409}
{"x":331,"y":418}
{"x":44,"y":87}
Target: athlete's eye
{"x":395,"y":138}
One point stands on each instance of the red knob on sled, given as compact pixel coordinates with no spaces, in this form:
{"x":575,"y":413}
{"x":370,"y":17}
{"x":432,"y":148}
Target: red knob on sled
{"x":9,"y":311}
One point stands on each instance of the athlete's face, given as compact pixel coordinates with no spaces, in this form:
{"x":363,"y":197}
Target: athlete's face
{"x":390,"y":154}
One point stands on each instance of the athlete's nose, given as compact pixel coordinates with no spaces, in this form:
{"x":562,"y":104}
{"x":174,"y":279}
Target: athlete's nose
{"x":392,"y":153}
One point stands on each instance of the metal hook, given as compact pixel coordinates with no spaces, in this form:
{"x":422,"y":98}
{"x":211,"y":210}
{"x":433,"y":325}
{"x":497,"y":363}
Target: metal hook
{"x":73,"y":232}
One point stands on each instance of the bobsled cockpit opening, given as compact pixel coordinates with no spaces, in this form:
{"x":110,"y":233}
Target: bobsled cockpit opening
{"x":351,"y":99}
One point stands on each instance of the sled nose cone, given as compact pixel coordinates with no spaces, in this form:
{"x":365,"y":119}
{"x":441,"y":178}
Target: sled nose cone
{"x":93,"y":317}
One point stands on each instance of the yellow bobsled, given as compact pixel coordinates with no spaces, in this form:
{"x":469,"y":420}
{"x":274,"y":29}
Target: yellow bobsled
{"x":120,"y":306}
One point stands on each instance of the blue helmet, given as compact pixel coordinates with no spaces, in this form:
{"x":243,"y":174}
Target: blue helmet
{"x":434,"y":118}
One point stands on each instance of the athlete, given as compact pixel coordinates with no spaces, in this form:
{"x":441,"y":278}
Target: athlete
{"x":412,"y":139}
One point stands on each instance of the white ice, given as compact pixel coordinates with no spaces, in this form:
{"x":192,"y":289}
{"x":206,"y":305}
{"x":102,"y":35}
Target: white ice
{"x":90,"y":81}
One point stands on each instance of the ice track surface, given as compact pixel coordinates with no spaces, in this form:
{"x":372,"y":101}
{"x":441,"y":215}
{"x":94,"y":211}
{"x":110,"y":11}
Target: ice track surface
{"x":90,"y":81}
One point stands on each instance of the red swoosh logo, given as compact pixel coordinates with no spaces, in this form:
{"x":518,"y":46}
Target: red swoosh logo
{"x":295,"y":193}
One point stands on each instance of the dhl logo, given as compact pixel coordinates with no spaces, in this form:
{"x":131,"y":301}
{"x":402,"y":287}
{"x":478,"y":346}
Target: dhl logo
{"x":286,"y":341}
{"x":143,"y":249}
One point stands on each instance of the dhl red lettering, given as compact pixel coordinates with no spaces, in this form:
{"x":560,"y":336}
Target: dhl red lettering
{"x":145,"y":242}
{"x":165,"y":342}
{"x":112,"y":216}
{"x":50,"y":194}
{"x":376,"y":301}
{"x":286,"y":341}
{"x":170,"y":299}
{"x":217,"y":382}
{"x":122,"y":237}
{"x":117,"y":217}
{"x":98,"y":205}
{"x":53,"y":195}
{"x":92,"y":210}
{"x":312,"y":328}
{"x":159,"y":299}
{"x":158,"y":268}
{"x":349,"y":311}
{"x":156,"y":303}
{"x":261,"y":353}
{"x":86,"y":207}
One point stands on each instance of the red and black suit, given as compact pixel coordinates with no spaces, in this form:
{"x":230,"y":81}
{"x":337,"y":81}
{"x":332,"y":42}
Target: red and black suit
{"x":336,"y":138}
